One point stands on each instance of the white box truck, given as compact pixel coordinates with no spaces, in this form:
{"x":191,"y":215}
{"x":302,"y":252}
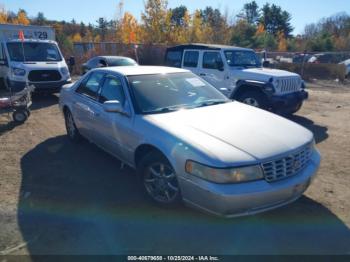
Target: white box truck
{"x":30,"y":55}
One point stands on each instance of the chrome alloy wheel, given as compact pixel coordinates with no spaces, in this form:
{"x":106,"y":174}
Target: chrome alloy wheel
{"x":160,"y":183}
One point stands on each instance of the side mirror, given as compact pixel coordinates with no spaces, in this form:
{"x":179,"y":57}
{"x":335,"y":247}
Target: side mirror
{"x":114,"y":106}
{"x":220,"y":66}
{"x":266,"y":63}
{"x":71,"y":61}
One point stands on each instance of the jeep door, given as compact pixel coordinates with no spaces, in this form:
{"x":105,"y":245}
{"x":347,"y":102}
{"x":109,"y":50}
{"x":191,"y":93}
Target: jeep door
{"x":191,"y":61}
{"x":212,"y":69}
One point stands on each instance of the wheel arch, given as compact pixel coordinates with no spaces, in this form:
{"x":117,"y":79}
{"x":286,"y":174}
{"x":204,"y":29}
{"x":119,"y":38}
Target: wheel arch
{"x":144,"y":149}
{"x":243,"y":86}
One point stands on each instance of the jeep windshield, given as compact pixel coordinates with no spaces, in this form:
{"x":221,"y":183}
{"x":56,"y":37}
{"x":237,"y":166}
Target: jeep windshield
{"x":163,"y":93}
{"x":33,"y":52}
{"x":239,"y":58}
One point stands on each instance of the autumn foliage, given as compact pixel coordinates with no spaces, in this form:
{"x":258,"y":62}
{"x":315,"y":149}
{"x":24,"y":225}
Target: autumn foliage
{"x":267,"y":27}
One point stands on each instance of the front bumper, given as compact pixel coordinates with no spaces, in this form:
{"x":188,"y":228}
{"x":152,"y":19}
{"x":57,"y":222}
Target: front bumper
{"x":47,"y":87}
{"x":231,"y":200}
{"x":288,"y":103}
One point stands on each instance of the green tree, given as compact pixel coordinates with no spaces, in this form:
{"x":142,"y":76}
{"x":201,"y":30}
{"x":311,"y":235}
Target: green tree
{"x":178,"y":16}
{"x":155,"y":21}
{"x":102,"y":27}
{"x":215,"y":25}
{"x":251,"y":12}
{"x":276,"y":20}
{"x":40,"y":19}
{"x":243,"y":34}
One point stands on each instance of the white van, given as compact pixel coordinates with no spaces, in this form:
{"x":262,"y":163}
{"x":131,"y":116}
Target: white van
{"x":239,"y":74}
{"x":35,"y":60}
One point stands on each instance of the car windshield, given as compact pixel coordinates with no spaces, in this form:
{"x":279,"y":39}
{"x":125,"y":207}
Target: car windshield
{"x":33,"y":52}
{"x":162,"y":93}
{"x":242,"y":58}
{"x":121,"y":62}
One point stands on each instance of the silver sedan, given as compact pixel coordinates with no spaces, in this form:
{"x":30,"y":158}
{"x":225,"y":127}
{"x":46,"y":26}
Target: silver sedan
{"x":189,"y":142}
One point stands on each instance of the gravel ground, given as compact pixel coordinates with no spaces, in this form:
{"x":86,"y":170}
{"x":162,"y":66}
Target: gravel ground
{"x":61,"y":198}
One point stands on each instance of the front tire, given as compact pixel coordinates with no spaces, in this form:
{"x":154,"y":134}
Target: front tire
{"x":159,"y":180}
{"x":72,"y":131}
{"x":253,"y":98}
{"x":20,"y":116}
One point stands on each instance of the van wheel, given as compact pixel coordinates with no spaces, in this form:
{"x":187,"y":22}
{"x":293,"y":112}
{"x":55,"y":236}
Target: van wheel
{"x":71,"y":128}
{"x":253,"y":98}
{"x":159,"y":180}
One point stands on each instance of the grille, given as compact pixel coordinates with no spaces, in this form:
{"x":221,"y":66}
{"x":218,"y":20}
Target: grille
{"x":288,"y":85}
{"x":44,"y":75}
{"x":287,"y":166}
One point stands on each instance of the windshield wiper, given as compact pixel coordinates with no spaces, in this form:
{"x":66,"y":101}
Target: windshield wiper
{"x":212,"y":102}
{"x":166,"y":109}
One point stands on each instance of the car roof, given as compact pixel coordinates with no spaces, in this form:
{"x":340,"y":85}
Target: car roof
{"x":112,"y":57}
{"x":205,"y":46}
{"x":142,"y":70}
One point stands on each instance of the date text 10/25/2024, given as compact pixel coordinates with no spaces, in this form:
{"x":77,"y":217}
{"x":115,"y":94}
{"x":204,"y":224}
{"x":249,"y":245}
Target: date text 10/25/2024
{"x":173,"y":258}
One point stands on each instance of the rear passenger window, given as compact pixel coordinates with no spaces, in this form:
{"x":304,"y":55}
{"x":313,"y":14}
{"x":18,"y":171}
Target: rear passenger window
{"x":212,"y":60}
{"x":91,"y":85}
{"x":191,"y":59}
{"x":112,"y":89}
{"x":173,"y":58}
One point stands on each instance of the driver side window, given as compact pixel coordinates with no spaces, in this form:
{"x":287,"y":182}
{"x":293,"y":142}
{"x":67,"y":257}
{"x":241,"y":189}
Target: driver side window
{"x":212,"y":60}
{"x":112,"y":89}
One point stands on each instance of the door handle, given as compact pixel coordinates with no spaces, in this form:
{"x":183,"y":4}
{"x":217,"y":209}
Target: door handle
{"x":202,"y":74}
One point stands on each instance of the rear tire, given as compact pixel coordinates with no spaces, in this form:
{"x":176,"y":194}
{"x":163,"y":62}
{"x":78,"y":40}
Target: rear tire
{"x":159,"y":180}
{"x":253,"y":98}
{"x":72,"y":131}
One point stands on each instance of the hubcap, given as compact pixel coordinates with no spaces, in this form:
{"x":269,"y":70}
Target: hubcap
{"x":20,"y":117}
{"x":251,"y":101}
{"x":70,"y":125}
{"x":160,"y":182}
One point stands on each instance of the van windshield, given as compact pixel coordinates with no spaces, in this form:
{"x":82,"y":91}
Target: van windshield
{"x":242,"y":58}
{"x":33,"y":52}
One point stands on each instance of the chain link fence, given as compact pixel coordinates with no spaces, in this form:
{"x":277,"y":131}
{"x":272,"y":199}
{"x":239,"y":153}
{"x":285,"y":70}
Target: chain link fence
{"x":310,"y":65}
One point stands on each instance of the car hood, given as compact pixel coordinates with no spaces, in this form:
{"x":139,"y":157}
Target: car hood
{"x":262,"y":74}
{"x":256,"y":132}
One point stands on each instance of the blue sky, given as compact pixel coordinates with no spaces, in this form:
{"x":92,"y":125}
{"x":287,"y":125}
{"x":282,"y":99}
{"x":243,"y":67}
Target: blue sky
{"x":303,"y":11}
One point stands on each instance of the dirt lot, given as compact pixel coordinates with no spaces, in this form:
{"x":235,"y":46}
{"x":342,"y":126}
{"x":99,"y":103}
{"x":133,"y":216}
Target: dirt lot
{"x":60,"y":198}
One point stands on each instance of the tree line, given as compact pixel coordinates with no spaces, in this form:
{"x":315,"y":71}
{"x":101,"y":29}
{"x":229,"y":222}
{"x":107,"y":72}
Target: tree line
{"x":267,"y":27}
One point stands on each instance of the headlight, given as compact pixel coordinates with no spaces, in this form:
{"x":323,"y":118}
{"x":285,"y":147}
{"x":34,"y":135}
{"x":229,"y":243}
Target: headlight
{"x":18,"y":71}
{"x":64,"y":71}
{"x":224,"y":175}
